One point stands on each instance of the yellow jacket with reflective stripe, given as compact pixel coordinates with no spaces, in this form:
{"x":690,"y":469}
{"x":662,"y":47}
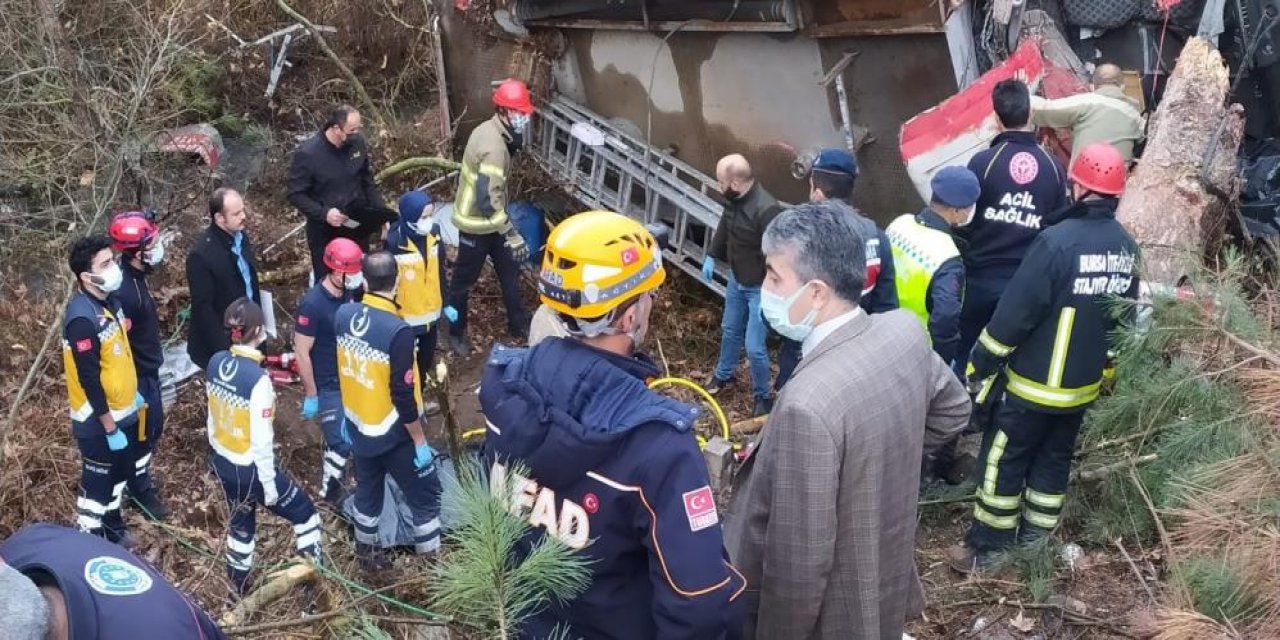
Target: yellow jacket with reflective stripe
{"x":480,"y":206}
{"x":918,"y":252}
{"x":1054,"y":322}
{"x":419,"y":294}
{"x":118,"y":377}
{"x":365,"y":331}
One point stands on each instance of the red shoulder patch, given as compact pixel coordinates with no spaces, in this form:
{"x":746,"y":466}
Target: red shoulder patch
{"x":408,"y":376}
{"x":700,"y":507}
{"x":304,"y":321}
{"x":128,"y":324}
{"x":266,"y":413}
{"x":84,"y":345}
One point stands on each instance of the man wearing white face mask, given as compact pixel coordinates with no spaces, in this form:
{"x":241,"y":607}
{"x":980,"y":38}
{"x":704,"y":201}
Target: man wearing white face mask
{"x":102,"y":388}
{"x":315,"y":342}
{"x":824,"y":513}
{"x":929,"y":273}
{"x":480,"y":214}
{"x":135,"y":235}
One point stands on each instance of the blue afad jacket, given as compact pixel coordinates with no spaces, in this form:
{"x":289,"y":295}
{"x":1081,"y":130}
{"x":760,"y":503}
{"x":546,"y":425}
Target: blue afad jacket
{"x":615,"y":472}
{"x":110,"y":593}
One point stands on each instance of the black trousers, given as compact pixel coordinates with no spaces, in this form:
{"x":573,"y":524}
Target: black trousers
{"x":981,"y":295}
{"x":473,"y":251}
{"x":426,"y":353}
{"x":244,"y":494}
{"x":104,"y":474}
{"x":1025,"y":463}
{"x":370,"y":219}
{"x":421,"y":489}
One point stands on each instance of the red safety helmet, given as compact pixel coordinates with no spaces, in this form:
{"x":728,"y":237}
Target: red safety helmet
{"x":1099,"y":168}
{"x":343,"y":255}
{"x":131,"y":231}
{"x":513,"y":94}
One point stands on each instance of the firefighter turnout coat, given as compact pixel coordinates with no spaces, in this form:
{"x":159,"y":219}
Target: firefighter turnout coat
{"x":481,"y":204}
{"x":1053,"y":325}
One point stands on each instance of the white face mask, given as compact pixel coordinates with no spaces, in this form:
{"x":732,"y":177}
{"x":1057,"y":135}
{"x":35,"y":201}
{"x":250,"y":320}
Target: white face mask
{"x":520,"y":122}
{"x":111,"y":279}
{"x":777,"y":312}
{"x":969,"y":217}
{"x":354,"y":281}
{"x":423,"y":226}
{"x":155,"y":255}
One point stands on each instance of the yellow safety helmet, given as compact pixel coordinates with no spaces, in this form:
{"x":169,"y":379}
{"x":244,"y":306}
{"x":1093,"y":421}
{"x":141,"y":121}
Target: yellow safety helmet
{"x":597,"y":260}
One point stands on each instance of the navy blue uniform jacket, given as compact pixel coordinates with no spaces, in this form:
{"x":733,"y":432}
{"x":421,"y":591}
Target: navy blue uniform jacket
{"x":621,"y":467}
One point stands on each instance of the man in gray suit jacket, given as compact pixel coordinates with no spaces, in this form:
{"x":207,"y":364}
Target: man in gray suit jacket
{"x":823,"y":520}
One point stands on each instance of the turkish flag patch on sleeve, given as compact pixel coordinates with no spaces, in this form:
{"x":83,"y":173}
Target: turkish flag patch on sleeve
{"x":408,"y":376}
{"x":700,"y":507}
{"x":84,"y":345}
{"x":266,"y":413}
{"x":304,"y":321}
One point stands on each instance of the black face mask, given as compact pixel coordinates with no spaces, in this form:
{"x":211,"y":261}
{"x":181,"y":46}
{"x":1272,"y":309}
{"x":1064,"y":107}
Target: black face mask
{"x":516,"y":143}
{"x":731,"y":195}
{"x":353,"y":139}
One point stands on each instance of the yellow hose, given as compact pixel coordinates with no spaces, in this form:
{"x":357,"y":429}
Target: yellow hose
{"x":715,"y":406}
{"x":663,"y":382}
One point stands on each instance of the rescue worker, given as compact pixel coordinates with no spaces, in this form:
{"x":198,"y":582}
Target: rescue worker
{"x":315,"y":343}
{"x":832,"y":177}
{"x":1022,"y":186}
{"x":417,"y":246}
{"x":614,"y":469}
{"x":241,"y":412}
{"x":331,"y":183}
{"x":60,"y":583}
{"x":382,"y":396}
{"x":1104,"y":114}
{"x":748,"y":211}
{"x":135,"y":237}
{"x":102,"y":388}
{"x":480,"y":214}
{"x":1048,"y":345}
{"x":929,"y":273}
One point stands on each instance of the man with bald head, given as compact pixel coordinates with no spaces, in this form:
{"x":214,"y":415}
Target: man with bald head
{"x":748,"y":211}
{"x":1104,"y":115}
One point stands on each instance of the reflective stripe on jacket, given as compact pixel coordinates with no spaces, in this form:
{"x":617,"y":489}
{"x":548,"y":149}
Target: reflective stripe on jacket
{"x":419,"y":294}
{"x":481,"y":204}
{"x":365,"y":332}
{"x":918,"y":253}
{"x":118,"y":377}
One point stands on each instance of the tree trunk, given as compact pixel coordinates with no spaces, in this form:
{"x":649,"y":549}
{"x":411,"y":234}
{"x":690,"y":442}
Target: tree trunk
{"x":1178,"y":199}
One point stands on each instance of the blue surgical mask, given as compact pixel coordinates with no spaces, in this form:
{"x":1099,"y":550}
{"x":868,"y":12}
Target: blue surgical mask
{"x":777,"y":312}
{"x":520,"y":122}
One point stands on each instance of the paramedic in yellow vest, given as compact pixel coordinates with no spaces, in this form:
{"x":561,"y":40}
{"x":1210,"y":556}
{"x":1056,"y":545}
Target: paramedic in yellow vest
{"x":414,"y":240}
{"x":929,"y":273}
{"x":382,"y":399}
{"x":480,"y":214}
{"x":242,"y":407}
{"x":102,"y":388}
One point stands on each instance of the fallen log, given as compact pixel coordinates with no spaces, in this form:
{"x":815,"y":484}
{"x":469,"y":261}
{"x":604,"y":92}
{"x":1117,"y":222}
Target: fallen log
{"x":1178,"y":200}
{"x":277,"y":586}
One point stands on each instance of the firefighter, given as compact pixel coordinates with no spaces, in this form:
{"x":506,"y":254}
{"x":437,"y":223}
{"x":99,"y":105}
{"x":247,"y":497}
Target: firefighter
{"x":480,"y":213}
{"x":315,"y":343}
{"x":135,"y":237}
{"x":382,"y":396}
{"x":832,"y":177}
{"x":614,"y":468}
{"x":1022,"y":185}
{"x":241,"y":412}
{"x":415,"y":242}
{"x":102,"y":388}
{"x":1048,"y":345}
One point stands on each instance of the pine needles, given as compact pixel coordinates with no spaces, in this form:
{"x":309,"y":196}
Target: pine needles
{"x":479,"y":581}
{"x":1198,"y":387}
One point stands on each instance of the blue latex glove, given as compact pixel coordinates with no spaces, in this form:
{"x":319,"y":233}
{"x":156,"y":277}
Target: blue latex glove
{"x":423,"y":455}
{"x":708,"y":268}
{"x":344,"y":433}
{"x":310,"y":407}
{"x":138,"y":401}
{"x":116,"y":440}
{"x":451,"y":314}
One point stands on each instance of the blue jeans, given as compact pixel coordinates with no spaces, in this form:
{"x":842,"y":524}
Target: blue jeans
{"x":742,"y":325}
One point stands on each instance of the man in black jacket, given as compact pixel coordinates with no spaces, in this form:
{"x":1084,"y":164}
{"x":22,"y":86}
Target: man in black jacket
{"x":1049,"y":342}
{"x":749,"y":211}
{"x":220,"y":269}
{"x":331,"y":183}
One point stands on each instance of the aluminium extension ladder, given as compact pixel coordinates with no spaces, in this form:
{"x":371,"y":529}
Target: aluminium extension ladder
{"x":608,"y":169}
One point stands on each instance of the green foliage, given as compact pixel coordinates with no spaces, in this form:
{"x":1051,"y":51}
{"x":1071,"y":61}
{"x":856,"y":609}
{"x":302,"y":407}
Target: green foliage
{"x":480,"y":581}
{"x":1034,"y":563}
{"x":366,"y":629}
{"x":1219,"y":591}
{"x":193,"y":86}
{"x":1188,"y":417}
